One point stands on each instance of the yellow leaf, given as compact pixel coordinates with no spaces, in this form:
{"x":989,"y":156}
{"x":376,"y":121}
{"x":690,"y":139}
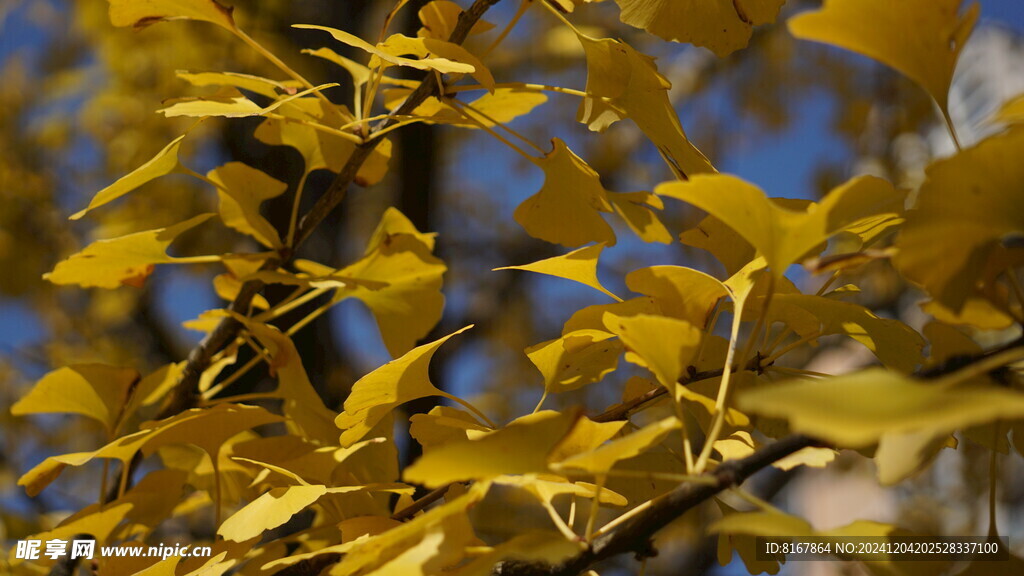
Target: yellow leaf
{"x":142,"y":13}
{"x":522,"y":447}
{"x":920,"y":38}
{"x":567,"y":208}
{"x":637,"y":209}
{"x":269,"y":511}
{"x":378,"y":393}
{"x":206,"y":428}
{"x":967,"y":204}
{"x":811,"y":457}
{"x":408,"y":303}
{"x":578,"y":266}
{"x":551,"y":548}
{"x":230,"y":103}
{"x":738,"y":531}
{"x":98,"y":391}
{"x":666,"y":346}
{"x":1011,"y":112}
{"x":360,"y":74}
{"x":165,"y":162}
{"x":856,"y":410}
{"x":575,"y":360}
{"x":781,"y":235}
{"x":503,"y":105}
{"x":440,"y":17}
{"x":622,"y":82}
{"x":584,"y":436}
{"x":721,"y":26}
{"x":120,"y":261}
{"x":724,"y":243}
{"x":442,"y":424}
{"x":390,"y":51}
{"x":976,"y":312}
{"x":679,"y":292}
{"x":602,"y":459}
{"x":302,"y":404}
{"x":893,"y":342}
{"x":320,"y":149}
{"x":264,"y":86}
{"x":450,"y":517}
{"x":241,"y":189}
{"x":901,"y":455}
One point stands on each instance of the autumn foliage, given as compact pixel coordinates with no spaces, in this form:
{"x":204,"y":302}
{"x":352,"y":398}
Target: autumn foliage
{"x":698,"y":363}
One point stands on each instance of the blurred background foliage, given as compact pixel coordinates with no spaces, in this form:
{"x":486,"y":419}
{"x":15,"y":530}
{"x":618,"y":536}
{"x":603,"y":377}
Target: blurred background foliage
{"x":77,"y":103}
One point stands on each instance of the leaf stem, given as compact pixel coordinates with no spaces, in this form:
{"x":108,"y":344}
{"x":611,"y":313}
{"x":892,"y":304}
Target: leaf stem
{"x":508,"y":28}
{"x":793,"y":346}
{"x":294,"y":219}
{"x":252,"y":43}
{"x":499,"y":137}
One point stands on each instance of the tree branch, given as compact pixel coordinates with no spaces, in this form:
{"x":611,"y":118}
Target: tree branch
{"x":635,"y":534}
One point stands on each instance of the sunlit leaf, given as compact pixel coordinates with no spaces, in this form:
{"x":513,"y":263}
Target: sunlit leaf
{"x":442,"y":424}
{"x":228,"y":102}
{"x":578,"y":266}
{"x":666,"y":346}
{"x":567,"y":209}
{"x":522,"y":447}
{"x":206,"y":428}
{"x":142,"y":13}
{"x":263,"y":86}
{"x":165,"y":162}
{"x":722,"y":26}
{"x":622,"y":82}
{"x":857,"y":410}
{"x":270,"y":510}
{"x":781,"y":235}
{"x":679,"y":292}
{"x":440,"y":17}
{"x":920,"y":38}
{"x":378,"y":393}
{"x":601,"y":460}
{"x":241,"y":189}
{"x":637,"y":209}
{"x":392,"y":49}
{"x":893,"y":342}
{"x":98,"y":391}
{"x":575,"y":360}
{"x":966,"y":206}
{"x":127,"y":260}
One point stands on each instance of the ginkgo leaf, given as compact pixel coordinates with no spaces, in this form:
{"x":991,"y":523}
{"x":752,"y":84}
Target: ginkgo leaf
{"x":965,"y":207}
{"x":622,"y":82}
{"x":142,"y":13}
{"x":378,"y":393}
{"x":679,"y":292}
{"x":165,"y":162}
{"x":241,"y":189}
{"x":228,"y":102}
{"x":127,"y":260}
{"x":399,"y":279}
{"x":901,"y":455}
{"x":578,"y":266}
{"x":722,"y":26}
{"x":394,"y":48}
{"x":724,"y":243}
{"x":1012,"y":112}
{"x":781,"y":235}
{"x":745,"y":545}
{"x":207,"y":428}
{"x":318,"y":148}
{"x":637,"y":209}
{"x":857,"y":410}
{"x":269,"y":511}
{"x":439,"y":18}
{"x":666,"y":346}
{"x":263,"y":86}
{"x":442,"y":424}
{"x":98,"y":391}
{"x":501,"y":106}
{"x":602,"y":459}
{"x":522,"y":447}
{"x":550,"y":548}
{"x":567,"y":208}
{"x":360,"y":74}
{"x":302,"y":404}
{"x":762,"y":524}
{"x":925,"y":51}
{"x":584,"y":436}
{"x":893,"y":342}
{"x":575,"y":360}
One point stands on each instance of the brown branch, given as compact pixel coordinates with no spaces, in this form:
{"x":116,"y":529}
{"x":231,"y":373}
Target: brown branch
{"x":634,"y":535}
